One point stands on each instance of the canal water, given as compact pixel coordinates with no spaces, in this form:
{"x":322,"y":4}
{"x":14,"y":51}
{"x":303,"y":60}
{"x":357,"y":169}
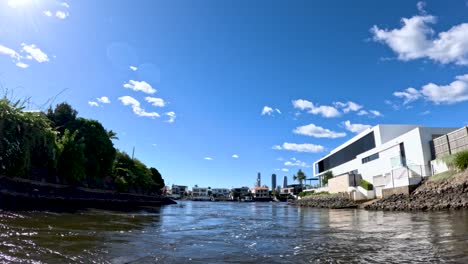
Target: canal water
{"x":216,"y":232}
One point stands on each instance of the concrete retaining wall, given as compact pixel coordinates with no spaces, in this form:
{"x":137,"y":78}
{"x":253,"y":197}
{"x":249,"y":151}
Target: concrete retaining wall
{"x":398,"y":190}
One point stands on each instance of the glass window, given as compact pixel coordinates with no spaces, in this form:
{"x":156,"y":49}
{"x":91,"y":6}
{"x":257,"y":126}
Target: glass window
{"x":348,"y":153}
{"x":370,"y":158}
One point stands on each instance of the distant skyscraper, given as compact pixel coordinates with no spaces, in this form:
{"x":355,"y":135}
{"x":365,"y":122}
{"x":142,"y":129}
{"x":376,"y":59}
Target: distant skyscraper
{"x":273,"y":181}
{"x":285,"y":182}
{"x":259,"y":180}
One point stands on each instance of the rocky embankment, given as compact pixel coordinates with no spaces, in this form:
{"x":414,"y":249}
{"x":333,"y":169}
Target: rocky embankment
{"x":450,"y":193}
{"x":332,"y":201}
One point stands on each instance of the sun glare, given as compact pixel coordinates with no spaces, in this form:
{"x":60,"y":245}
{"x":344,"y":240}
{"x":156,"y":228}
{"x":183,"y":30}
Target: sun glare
{"x":18,"y":3}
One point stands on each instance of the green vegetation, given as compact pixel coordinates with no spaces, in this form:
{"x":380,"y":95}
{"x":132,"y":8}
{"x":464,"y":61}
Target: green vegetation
{"x":366,"y":185}
{"x":305,"y":194}
{"x":326,"y":176}
{"x":300,"y":176}
{"x":461,"y":160}
{"x":443,"y":176}
{"x":60,"y":147}
{"x":457,"y":161}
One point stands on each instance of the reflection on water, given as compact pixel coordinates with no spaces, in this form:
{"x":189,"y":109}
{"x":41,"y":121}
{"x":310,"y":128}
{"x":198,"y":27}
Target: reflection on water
{"x":205,"y":232}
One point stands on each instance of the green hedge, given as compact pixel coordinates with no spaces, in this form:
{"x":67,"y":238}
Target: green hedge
{"x":366,"y":185}
{"x":461,"y":160}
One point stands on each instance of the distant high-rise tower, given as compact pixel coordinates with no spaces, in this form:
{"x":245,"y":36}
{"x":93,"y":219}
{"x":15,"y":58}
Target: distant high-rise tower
{"x":259,"y":180}
{"x":273,"y":181}
{"x":285,"y":182}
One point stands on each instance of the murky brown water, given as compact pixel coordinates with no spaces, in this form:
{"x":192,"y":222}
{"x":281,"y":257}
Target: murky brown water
{"x":205,"y":232}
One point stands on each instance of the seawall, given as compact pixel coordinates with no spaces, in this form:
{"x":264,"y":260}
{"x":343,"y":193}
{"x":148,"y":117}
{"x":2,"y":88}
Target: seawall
{"x":30,"y":195}
{"x":451,"y":193}
{"x":332,"y":201}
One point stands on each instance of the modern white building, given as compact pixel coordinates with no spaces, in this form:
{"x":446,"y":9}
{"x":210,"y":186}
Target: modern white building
{"x":385,"y":155}
{"x":178,"y":191}
{"x":222,"y":193}
{"x":200,"y":194}
{"x":260,"y":192}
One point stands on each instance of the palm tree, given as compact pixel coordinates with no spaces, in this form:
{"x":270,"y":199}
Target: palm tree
{"x":300,"y":177}
{"x":112,"y":135}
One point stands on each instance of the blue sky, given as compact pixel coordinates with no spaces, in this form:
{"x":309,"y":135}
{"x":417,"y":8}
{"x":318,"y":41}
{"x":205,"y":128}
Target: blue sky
{"x":275,"y":83}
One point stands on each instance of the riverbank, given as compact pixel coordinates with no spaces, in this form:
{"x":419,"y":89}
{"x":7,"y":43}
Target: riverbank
{"x":331,"y":201}
{"x":20,"y":194}
{"x":436,"y":193}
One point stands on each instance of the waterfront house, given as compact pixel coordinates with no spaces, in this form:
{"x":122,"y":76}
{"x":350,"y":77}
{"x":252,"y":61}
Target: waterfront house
{"x":220,"y":193}
{"x":260,"y":192}
{"x":200,"y":194}
{"x":293,"y":189}
{"x":178,"y":191}
{"x":240,"y":193}
{"x":387,"y":156}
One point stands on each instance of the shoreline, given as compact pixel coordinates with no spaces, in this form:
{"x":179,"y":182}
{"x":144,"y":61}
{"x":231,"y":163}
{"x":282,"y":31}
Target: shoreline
{"x":21,"y":194}
{"x":432,"y":195}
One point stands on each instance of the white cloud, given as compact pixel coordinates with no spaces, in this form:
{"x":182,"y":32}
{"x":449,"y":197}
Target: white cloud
{"x":9,"y":52}
{"x":159,"y":102}
{"x":317,"y":131}
{"x":103,"y":100}
{"x":140,"y":86}
{"x":133,"y":68}
{"x":375,"y":113}
{"x":61,"y":14}
{"x":296,"y":163}
{"x":208,"y":158}
{"x":421,"y":5}
{"x":323,"y":110}
{"x":362,"y":112}
{"x":370,"y":113}
{"x":47,"y":13}
{"x":310,"y":148}
{"x":284,"y":169}
{"x":64,"y":4}
{"x":267,"y":110}
{"x":280,"y":159}
{"x":130,"y":101}
{"x":302,"y":104}
{"x":92,"y":103}
{"x":409,"y":95}
{"x":34,"y":53}
{"x":416,"y":39}
{"x":235,"y":156}
{"x":355,"y":128}
{"x":349,"y":106}
{"x":172,"y":117}
{"x":454,"y":92}
{"x":22,"y":65}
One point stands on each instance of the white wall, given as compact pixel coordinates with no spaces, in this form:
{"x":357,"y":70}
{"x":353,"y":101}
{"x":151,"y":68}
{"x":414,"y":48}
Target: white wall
{"x":439,"y":166}
{"x":388,"y":132}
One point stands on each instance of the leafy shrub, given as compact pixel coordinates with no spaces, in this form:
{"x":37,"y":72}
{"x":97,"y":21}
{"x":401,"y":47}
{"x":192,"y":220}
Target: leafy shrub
{"x":366,"y":185}
{"x":71,"y":164}
{"x":121,"y":184}
{"x":326,"y":176}
{"x":461,"y":160}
